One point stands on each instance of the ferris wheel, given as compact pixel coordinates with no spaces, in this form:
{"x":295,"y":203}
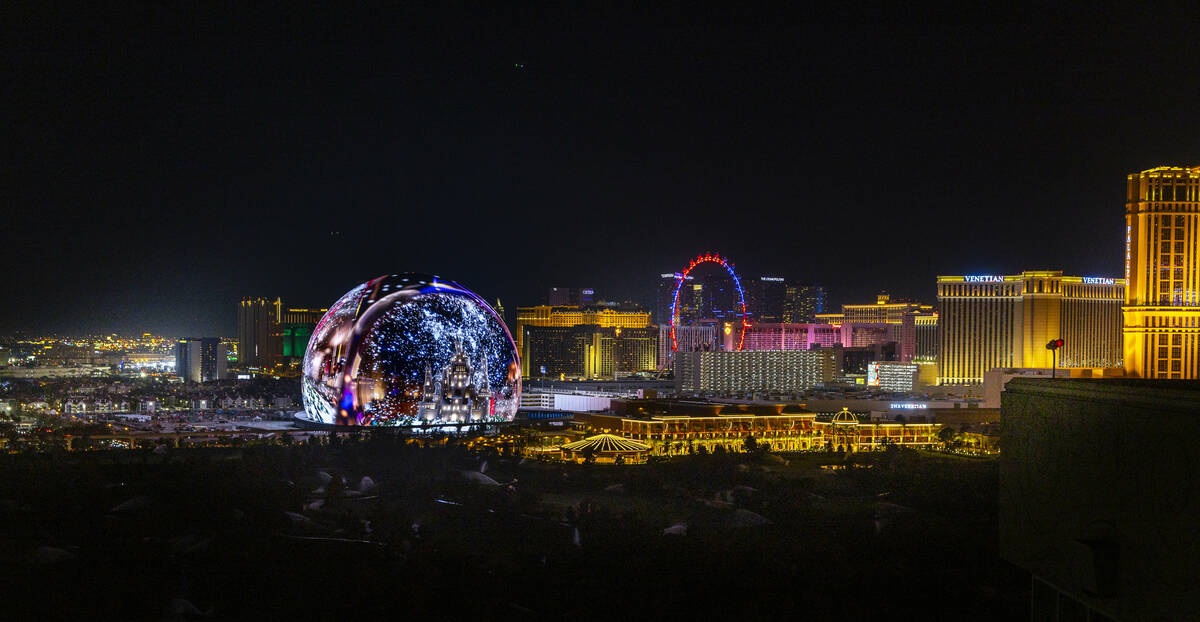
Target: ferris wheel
{"x":709,"y":258}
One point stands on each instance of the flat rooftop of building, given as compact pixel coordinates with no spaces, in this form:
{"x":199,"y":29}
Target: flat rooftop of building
{"x":1172,"y":395}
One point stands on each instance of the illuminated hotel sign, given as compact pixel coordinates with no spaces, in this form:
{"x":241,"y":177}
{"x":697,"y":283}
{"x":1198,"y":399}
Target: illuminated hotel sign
{"x":984,"y":279}
{"x":907,"y":406}
{"x":1096,"y":280}
{"x":777,"y":279}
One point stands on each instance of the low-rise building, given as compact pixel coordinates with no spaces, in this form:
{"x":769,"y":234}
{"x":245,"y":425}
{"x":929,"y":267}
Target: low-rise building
{"x":786,"y":429}
{"x":893,"y":376}
{"x":555,"y":400}
{"x":74,"y":371}
{"x":77,"y":406}
{"x":241,"y":403}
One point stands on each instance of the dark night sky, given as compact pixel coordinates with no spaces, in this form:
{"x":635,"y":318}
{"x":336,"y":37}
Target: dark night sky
{"x":162,"y":164}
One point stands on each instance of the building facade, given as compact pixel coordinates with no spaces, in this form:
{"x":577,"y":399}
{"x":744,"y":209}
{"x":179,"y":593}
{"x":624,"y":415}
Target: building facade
{"x":767,"y":299}
{"x":912,"y":325}
{"x":988,"y":321}
{"x":296,"y":328}
{"x":803,"y":303}
{"x":785,"y":431}
{"x":808,"y":336}
{"x":609,"y":316}
{"x":925,"y":337}
{"x":258,"y":325}
{"x":566,"y":401}
{"x":893,"y":376}
{"x":691,"y":298}
{"x":1162,"y":268}
{"x":689,"y":338}
{"x":588,"y":351}
{"x":772,"y":371}
{"x":884,"y":311}
{"x":200,"y":360}
{"x":777,"y":336}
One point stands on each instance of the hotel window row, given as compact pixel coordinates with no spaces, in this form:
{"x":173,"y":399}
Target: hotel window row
{"x":1007,"y":323}
{"x":1162,"y":219}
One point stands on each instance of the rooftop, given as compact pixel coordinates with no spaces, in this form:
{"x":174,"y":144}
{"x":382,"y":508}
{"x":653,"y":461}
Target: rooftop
{"x":607,"y":443}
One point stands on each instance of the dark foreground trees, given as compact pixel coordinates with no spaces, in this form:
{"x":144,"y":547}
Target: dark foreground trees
{"x":270,"y":532}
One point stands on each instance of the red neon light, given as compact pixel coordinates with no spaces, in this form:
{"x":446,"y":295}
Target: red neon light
{"x":724,"y":263}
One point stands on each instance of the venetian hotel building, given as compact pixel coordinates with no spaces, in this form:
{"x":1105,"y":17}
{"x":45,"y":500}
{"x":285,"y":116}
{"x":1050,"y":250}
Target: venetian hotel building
{"x":1005,"y":321}
{"x":1162,"y":267}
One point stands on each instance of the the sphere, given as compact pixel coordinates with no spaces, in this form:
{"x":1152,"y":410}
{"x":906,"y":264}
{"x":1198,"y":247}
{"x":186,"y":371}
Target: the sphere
{"x":410,"y":349}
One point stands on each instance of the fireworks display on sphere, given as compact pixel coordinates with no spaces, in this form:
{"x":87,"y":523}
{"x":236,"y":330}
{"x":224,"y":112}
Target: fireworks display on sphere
{"x":410,"y":349}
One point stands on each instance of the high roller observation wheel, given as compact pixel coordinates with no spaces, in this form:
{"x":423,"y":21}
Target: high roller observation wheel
{"x":737,"y":283}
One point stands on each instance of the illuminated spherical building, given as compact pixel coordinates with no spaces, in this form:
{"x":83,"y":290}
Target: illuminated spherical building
{"x":410,"y":349}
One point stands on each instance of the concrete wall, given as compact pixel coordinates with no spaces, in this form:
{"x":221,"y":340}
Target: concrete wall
{"x":1100,"y":492}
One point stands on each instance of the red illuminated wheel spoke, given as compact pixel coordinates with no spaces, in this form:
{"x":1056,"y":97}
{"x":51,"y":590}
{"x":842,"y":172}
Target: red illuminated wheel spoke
{"x":737,"y":282}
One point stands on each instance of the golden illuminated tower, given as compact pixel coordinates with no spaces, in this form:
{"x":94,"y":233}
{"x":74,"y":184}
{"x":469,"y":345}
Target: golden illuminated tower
{"x":564,"y":316}
{"x":1162,"y":268}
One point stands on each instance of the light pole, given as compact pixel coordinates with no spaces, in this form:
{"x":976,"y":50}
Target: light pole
{"x":1053,"y":347}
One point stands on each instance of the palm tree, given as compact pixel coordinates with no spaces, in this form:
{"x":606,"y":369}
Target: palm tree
{"x":947,"y":436}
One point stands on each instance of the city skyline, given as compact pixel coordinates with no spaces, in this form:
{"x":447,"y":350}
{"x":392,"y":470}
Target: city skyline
{"x":232,"y":331}
{"x":849,"y":310}
{"x":164,"y":179}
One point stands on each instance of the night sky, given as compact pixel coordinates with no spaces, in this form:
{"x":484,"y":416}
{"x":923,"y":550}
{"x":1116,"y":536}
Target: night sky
{"x":162,"y":164}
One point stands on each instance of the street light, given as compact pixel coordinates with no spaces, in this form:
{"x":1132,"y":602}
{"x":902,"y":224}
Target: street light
{"x":1053,"y":347}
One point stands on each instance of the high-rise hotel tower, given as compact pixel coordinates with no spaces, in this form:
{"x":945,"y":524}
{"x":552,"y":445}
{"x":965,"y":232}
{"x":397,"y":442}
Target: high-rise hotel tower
{"x":258,"y":332}
{"x":1162,"y":267}
{"x":1005,"y":321}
